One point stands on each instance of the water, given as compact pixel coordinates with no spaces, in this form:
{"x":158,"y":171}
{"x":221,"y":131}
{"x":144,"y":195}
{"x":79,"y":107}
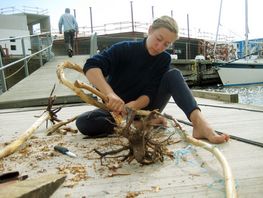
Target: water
{"x":251,"y":95}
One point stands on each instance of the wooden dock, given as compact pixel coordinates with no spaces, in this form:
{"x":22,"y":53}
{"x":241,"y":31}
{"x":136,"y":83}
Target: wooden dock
{"x":34,"y":90}
{"x":197,"y":72}
{"x":193,"y":172}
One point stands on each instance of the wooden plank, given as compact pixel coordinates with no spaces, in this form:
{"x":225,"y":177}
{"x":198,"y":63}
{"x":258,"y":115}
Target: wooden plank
{"x":233,"y":98}
{"x":42,"y":186}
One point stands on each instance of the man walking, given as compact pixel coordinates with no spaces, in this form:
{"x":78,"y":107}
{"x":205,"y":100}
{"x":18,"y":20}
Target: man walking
{"x":70,"y":29}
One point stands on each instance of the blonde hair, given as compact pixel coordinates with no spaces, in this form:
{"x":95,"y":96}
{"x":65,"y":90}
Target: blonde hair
{"x":166,"y":22}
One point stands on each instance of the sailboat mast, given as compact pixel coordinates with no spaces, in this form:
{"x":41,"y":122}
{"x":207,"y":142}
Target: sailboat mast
{"x":246,"y":28}
{"x":218,"y":24}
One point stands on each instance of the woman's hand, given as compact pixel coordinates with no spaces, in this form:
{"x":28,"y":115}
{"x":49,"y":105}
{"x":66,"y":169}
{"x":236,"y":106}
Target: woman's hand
{"x":115,"y":103}
{"x":132,"y":105}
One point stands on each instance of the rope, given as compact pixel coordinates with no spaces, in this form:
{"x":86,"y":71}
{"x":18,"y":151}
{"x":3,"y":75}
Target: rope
{"x":19,"y":69}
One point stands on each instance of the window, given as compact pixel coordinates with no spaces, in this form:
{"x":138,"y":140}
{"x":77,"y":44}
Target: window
{"x":13,"y":47}
{"x":12,"y":40}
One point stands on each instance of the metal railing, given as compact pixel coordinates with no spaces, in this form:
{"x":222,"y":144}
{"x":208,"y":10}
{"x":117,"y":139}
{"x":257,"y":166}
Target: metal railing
{"x":128,"y":26}
{"x":25,"y":9}
{"x":41,"y":43}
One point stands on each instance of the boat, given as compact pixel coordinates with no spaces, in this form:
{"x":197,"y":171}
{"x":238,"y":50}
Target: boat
{"x":245,"y":71}
{"x":241,"y":72}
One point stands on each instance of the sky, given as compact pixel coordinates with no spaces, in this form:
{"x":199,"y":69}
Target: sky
{"x":203,"y":15}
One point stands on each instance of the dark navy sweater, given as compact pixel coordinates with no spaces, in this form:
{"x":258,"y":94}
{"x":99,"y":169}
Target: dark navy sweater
{"x":130,"y":70}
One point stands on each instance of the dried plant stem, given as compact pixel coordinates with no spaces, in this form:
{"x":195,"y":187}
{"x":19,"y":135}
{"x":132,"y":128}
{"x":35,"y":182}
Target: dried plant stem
{"x":56,"y":126}
{"x":86,"y":98}
{"x":229,"y":180}
{"x":12,"y":147}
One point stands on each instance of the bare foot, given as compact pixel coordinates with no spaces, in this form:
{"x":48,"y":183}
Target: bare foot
{"x":202,"y":129}
{"x":206,"y":132}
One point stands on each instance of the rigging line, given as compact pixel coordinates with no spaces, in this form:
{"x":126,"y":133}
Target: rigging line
{"x":252,"y":142}
{"x":225,"y":107}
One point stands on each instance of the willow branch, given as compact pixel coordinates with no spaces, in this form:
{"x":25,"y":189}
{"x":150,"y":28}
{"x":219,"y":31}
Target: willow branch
{"x":86,"y":98}
{"x":12,"y":147}
{"x":229,"y":180}
{"x":56,"y":126}
{"x":82,"y":85}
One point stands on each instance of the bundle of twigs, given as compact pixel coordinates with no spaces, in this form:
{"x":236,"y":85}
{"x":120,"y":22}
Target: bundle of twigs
{"x":142,"y":146}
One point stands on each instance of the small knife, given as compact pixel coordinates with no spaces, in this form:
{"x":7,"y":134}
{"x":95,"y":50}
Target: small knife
{"x":64,"y":150}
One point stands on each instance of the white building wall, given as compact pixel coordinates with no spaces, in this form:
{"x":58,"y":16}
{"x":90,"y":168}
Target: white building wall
{"x":14,"y":26}
{"x":14,"y":46}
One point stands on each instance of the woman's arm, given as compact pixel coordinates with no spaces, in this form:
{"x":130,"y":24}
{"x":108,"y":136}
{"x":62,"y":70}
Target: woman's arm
{"x":96,"y":78}
{"x":140,"y":103}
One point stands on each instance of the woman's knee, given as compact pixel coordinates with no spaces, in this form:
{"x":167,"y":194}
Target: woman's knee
{"x":83,"y":123}
{"x":173,"y":74}
{"x":95,"y":123}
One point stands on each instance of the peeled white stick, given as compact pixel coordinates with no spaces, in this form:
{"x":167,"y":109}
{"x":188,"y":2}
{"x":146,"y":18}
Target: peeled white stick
{"x":12,"y":147}
{"x":229,"y":180}
{"x":78,"y":91}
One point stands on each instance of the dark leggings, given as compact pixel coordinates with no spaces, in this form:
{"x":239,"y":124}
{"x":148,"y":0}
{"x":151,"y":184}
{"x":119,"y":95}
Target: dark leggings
{"x":99,"y":122}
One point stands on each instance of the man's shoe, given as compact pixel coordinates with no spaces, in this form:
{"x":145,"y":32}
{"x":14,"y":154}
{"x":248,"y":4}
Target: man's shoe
{"x":70,"y":53}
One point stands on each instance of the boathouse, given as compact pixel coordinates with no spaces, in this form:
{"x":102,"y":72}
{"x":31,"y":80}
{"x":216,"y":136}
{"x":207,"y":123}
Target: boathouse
{"x":14,"y":23}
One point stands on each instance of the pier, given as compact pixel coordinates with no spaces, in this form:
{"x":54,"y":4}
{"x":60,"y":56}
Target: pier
{"x":196,"y":173}
{"x":197,"y":72}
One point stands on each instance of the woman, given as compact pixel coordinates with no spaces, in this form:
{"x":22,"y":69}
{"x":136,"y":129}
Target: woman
{"x":139,"y":76}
